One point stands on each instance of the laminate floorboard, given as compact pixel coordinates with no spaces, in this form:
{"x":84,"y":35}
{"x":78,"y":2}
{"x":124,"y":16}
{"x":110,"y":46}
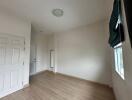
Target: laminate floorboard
{"x":49,"y":86}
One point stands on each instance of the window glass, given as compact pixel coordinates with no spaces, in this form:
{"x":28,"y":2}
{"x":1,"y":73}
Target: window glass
{"x":119,"y":61}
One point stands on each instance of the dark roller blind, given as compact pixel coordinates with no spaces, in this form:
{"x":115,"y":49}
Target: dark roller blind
{"x":115,"y":25}
{"x":128,"y":11}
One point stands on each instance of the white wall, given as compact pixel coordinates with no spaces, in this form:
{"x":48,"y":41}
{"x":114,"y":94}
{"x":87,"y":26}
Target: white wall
{"x":12,"y":25}
{"x":42,"y":54}
{"x":84,"y":53}
{"x":123,"y":88}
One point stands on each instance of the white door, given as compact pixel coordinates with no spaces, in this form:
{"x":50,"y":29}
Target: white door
{"x":11,"y":64}
{"x":33,"y":59}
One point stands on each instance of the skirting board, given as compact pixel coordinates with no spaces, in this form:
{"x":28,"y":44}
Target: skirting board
{"x":83,"y":79}
{"x":26,"y":85}
{"x":38,"y":73}
{"x":72,"y":77}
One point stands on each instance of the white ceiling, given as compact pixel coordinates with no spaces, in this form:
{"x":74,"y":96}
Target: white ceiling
{"x":76,"y":13}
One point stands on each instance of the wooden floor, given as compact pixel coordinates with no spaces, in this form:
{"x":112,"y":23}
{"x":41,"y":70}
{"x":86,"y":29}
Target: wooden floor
{"x":48,"y":86}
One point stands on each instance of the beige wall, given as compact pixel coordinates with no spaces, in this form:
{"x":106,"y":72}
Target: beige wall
{"x":12,"y":25}
{"x":84,"y":53}
{"x":123,"y":88}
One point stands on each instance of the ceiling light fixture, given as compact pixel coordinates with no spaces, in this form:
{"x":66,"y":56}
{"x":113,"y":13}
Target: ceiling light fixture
{"x":58,"y":12}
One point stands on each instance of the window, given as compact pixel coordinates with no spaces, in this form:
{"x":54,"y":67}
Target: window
{"x":119,"y":60}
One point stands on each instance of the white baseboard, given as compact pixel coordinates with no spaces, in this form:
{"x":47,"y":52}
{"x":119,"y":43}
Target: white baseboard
{"x":32,"y":74}
{"x":83,"y":79}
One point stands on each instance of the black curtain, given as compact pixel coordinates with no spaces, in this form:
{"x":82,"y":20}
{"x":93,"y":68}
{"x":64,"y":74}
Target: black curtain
{"x":128,"y":10}
{"x":115,"y":25}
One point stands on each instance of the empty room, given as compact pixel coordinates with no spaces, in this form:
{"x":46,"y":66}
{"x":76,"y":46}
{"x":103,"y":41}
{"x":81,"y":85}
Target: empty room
{"x":65,"y":50}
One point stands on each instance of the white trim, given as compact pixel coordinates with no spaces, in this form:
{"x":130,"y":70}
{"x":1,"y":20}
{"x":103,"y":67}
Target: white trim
{"x":118,"y":45}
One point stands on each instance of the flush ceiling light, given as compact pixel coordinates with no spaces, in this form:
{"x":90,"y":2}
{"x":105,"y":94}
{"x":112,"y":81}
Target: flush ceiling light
{"x":58,"y":12}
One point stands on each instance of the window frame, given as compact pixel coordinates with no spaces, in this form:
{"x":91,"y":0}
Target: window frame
{"x":119,"y":65}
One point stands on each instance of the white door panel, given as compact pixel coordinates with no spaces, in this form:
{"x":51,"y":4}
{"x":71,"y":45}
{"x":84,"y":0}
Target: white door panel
{"x":7,"y":80}
{"x":16,"y":55}
{"x":11,"y":63}
{"x":2,"y":55}
{"x":1,"y":82}
{"x":14,"y":79}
